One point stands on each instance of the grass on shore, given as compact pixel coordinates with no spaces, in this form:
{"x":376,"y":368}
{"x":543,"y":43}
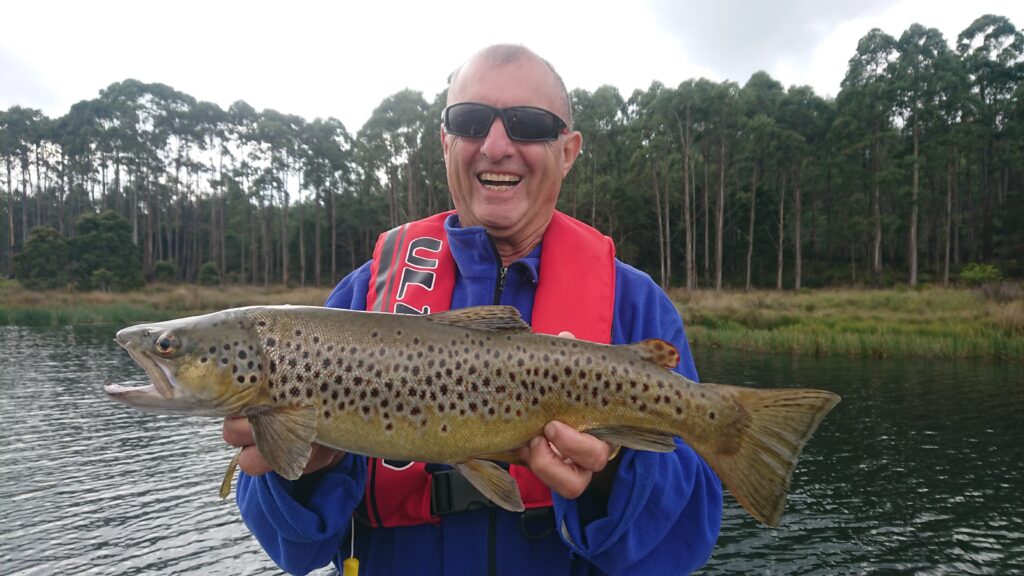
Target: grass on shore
{"x":925,"y":323}
{"x":156,"y":302}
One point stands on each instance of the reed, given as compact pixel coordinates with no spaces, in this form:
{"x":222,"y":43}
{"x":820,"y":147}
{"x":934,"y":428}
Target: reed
{"x":155,"y":302}
{"x":926,"y":323}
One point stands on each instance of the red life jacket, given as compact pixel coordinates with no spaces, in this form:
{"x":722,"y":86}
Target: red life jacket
{"x":413,"y":272}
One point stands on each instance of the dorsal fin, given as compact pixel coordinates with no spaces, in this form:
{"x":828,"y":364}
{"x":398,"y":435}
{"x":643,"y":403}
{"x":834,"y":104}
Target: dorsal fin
{"x":489,"y":318}
{"x":657,"y":351}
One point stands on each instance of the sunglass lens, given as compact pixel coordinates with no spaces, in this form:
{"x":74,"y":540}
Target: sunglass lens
{"x":529,"y":124}
{"x":470,"y":120}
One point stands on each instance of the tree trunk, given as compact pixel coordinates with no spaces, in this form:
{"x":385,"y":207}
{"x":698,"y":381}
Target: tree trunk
{"x":707,"y":223}
{"x":798,"y":258}
{"x":302,"y":247}
{"x":912,"y":241}
{"x":876,"y":200}
{"x":750,"y":225}
{"x":720,"y":215}
{"x":661,"y":230}
{"x":684,"y":136}
{"x":782,"y":232}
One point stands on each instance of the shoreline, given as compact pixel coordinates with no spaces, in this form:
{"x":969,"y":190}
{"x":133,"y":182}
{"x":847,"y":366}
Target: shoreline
{"x":888,"y":323}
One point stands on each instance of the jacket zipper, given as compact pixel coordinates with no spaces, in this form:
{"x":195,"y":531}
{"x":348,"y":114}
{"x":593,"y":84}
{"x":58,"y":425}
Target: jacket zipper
{"x":502,"y":272}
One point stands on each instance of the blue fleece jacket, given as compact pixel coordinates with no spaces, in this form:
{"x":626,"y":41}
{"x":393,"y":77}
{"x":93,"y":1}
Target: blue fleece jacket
{"x":662,"y":516}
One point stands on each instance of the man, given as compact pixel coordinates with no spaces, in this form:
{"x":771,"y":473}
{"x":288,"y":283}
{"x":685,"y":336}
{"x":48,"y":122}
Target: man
{"x":508,"y":144}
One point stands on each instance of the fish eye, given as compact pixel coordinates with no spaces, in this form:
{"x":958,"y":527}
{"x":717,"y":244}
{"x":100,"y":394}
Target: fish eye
{"x":166,"y":344}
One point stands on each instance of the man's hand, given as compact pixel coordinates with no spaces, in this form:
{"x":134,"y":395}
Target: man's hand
{"x":566,"y":460}
{"x":238,"y":434}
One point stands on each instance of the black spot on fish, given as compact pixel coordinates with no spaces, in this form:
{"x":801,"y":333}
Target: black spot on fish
{"x":293,"y":391}
{"x":202,"y":360}
{"x":242,"y":354}
{"x":270,"y":343}
{"x":711,"y":415}
{"x":252,"y":379}
{"x":224,"y":361}
{"x":212,"y":350}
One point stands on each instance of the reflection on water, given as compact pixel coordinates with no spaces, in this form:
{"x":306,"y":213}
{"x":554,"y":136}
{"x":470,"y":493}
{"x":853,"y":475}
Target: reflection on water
{"x":87,"y":485}
{"x":919,"y":470}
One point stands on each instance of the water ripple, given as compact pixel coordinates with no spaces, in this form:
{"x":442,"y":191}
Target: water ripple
{"x":87,"y":485}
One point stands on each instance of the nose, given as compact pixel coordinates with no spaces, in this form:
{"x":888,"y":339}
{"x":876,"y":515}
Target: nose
{"x":497,"y":144}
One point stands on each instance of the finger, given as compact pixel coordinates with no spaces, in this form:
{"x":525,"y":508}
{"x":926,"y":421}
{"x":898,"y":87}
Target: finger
{"x":564,"y":478}
{"x":322,"y":457}
{"x":236,"y":431}
{"x":252,"y":463}
{"x":586,"y":451}
{"x":566,"y":334}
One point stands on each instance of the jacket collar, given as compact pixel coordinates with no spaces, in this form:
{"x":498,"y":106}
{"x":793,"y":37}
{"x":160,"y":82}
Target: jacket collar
{"x":476,"y":257}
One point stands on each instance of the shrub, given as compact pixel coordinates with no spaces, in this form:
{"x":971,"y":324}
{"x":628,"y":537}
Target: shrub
{"x":165,"y":271}
{"x":104,"y":240}
{"x":208,"y":275}
{"x":102,"y":279}
{"x":43,"y":264}
{"x":977,"y":274}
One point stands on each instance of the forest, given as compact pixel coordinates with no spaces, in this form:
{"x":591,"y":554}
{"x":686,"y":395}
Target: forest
{"x":912,"y":172}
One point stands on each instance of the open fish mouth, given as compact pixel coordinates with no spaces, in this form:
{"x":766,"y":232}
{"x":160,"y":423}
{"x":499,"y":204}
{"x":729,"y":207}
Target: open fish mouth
{"x":162,"y":380}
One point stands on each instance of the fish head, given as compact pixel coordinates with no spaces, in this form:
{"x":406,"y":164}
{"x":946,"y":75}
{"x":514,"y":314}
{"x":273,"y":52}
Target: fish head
{"x":208,"y":365}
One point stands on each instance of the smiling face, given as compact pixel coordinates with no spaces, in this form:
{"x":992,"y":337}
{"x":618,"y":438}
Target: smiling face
{"x":508,"y":187}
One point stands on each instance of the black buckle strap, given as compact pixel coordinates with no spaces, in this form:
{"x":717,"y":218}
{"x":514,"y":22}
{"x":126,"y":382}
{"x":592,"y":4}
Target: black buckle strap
{"x":452,"y":493}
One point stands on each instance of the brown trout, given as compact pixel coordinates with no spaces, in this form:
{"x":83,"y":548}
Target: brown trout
{"x":464,"y":387}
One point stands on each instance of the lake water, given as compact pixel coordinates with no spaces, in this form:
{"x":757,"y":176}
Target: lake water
{"x":920,"y":470}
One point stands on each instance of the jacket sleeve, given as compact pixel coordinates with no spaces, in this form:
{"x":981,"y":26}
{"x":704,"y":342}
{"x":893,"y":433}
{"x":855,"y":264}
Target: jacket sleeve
{"x":301,"y":523}
{"x":664,"y":511}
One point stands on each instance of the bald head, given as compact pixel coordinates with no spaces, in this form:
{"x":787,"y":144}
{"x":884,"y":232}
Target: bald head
{"x":501,"y":55}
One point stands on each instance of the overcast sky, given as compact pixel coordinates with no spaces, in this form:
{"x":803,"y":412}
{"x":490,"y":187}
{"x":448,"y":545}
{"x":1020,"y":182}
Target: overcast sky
{"x":340,"y":59}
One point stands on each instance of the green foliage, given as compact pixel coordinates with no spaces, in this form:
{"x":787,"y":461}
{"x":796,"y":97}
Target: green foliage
{"x":101,"y":279}
{"x":165,"y":271}
{"x":43,"y":264}
{"x":976,"y":274}
{"x":208,"y":275}
{"x":104,"y":241}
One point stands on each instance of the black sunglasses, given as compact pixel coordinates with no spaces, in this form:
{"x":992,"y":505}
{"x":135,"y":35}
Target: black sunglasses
{"x":522,"y":123}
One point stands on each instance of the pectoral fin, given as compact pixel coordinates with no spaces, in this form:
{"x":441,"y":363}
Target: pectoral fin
{"x":284,"y":437}
{"x":229,"y":474}
{"x":494,"y":482}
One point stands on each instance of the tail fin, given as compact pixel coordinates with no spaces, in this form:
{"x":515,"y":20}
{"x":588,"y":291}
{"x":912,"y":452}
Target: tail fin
{"x":781,"y":422}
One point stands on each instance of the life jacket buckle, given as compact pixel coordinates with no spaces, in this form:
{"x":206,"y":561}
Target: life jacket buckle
{"x":451,"y":493}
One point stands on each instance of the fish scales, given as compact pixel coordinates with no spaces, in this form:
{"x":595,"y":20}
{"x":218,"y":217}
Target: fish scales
{"x":462,"y":387}
{"x":399,"y":389}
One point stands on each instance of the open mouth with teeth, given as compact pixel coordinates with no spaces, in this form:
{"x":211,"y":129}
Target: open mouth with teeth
{"x":496,"y":181}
